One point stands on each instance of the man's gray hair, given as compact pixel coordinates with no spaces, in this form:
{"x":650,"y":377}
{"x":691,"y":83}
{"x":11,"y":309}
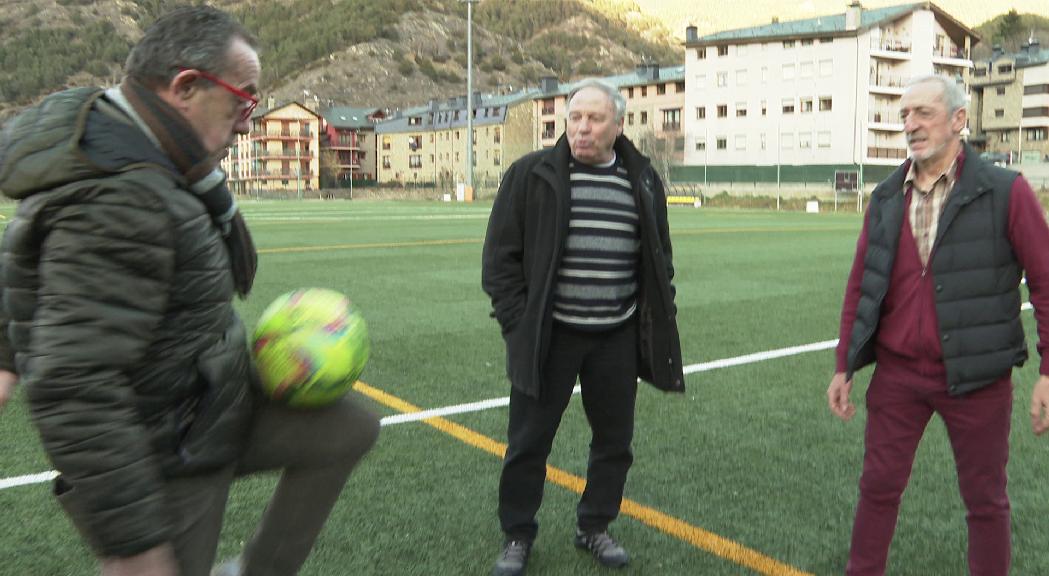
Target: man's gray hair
{"x":618,"y":102}
{"x":195,"y":37}
{"x":951,"y":93}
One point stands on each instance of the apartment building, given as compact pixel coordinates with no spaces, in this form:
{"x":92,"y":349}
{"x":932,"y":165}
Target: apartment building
{"x":427,"y":144}
{"x":818,"y":94}
{"x":348,"y":144}
{"x":655,"y":98}
{"x":279,"y":155}
{"x":1010,"y":108}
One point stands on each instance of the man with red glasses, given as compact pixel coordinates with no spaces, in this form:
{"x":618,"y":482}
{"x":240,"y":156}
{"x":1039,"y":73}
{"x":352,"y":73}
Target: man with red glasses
{"x":118,"y":275}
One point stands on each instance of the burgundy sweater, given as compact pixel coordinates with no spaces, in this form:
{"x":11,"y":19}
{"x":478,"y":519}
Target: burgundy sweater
{"x":908,"y":331}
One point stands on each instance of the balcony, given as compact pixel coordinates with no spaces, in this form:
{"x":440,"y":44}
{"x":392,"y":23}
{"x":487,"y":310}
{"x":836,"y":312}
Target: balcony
{"x":890,"y":49}
{"x":891,"y":153}
{"x":283,"y":135}
{"x":882,"y":83}
{"x":885,"y":121}
{"x":672,"y":126}
{"x":951,"y":56}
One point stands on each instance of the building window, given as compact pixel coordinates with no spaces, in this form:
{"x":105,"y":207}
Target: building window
{"x":722,"y":143}
{"x":1005,"y":68}
{"x":741,"y":77}
{"x":823,"y":139}
{"x":701,"y":53}
{"x":548,"y":131}
{"x":1000,"y":91}
{"x":805,"y":69}
{"x":722,"y":79}
{"x":679,"y":87}
{"x":804,"y":140}
{"x":999,"y":113}
{"x":1036,"y":134}
{"x":722,"y":110}
{"x":672,"y":120}
{"x":786,"y":140}
{"x":630,"y":119}
{"x":498,"y":135}
{"x":762,"y":140}
{"x":630,"y":92}
{"x":788,"y":105}
{"x":826,"y":68}
{"x":979,"y":72}
{"x":741,"y":109}
{"x":764,"y":108}
{"x":386,"y":162}
{"x":548,"y":106}
{"x":386,"y":142}
{"x":806,"y":105}
{"x":1004,"y":136}
{"x":788,"y":71}
{"x":415,"y":161}
{"x":415,"y":121}
{"x":741,"y":141}
{"x":1036,"y":89}
{"x":764,"y":74}
{"x":497,"y":158}
{"x":701,"y":81}
{"x":806,"y":41}
{"x":679,"y":144}
{"x":661,"y":89}
{"x":826,"y":104}
{"x":826,"y":40}
{"x":644,"y":91}
{"x":415,"y":141}
{"x":701,"y":112}
{"x":1036,"y":112}
{"x":722,"y":50}
{"x":788,"y":43}
{"x":701,"y":146}
{"x":644,"y":118}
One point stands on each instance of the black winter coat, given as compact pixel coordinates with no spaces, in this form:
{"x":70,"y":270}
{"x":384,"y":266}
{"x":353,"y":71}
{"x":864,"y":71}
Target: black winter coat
{"x":522,"y":249}
{"x":118,"y":291}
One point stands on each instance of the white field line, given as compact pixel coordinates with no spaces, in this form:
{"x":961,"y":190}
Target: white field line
{"x":505,"y":401}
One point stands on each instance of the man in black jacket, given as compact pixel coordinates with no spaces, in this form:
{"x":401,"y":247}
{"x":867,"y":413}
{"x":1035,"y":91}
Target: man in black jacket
{"x":119,"y":272}
{"x":577,"y":262}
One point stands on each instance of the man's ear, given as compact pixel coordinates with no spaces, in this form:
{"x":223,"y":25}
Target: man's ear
{"x":182,"y":88}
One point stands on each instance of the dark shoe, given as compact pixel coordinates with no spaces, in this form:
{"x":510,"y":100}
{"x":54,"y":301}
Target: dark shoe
{"x":514,"y":558}
{"x":607,"y":552}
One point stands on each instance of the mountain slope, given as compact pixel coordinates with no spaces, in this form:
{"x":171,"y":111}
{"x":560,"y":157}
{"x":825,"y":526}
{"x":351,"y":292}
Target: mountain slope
{"x":353,"y":52}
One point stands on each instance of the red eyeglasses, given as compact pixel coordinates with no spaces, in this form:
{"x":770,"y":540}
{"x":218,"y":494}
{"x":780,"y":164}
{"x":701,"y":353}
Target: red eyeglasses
{"x":249,"y":101}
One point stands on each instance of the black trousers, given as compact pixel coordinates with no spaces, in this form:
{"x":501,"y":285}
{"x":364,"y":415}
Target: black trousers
{"x":606,"y":365}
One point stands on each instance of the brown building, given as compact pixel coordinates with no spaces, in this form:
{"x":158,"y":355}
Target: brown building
{"x":1009,"y":114}
{"x":348,"y":145}
{"x":280,"y":154}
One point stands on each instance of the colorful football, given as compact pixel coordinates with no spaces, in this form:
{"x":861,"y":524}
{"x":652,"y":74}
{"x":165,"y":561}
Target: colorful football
{"x":310,"y":346}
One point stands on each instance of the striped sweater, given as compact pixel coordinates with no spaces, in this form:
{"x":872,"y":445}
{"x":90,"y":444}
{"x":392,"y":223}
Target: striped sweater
{"x":597,"y":277}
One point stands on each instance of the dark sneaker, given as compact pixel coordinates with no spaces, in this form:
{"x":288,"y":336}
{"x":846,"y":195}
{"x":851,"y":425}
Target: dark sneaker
{"x":513,"y":559}
{"x":603,"y":547}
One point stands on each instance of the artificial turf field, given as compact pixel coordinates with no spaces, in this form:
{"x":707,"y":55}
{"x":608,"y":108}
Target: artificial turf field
{"x":745,"y":473}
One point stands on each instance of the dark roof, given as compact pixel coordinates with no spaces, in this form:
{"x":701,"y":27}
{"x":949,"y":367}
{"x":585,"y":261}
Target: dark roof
{"x":348,"y":117}
{"x":829,"y":25}
{"x":442,"y":114}
{"x":635,"y":78}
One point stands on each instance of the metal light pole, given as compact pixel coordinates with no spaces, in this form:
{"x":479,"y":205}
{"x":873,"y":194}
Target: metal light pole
{"x":469,"y":96}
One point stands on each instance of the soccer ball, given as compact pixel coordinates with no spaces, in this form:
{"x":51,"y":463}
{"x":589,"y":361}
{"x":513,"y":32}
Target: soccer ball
{"x":310,"y":346}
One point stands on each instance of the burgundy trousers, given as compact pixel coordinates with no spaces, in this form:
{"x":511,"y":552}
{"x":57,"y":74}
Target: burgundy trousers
{"x":899,"y":406}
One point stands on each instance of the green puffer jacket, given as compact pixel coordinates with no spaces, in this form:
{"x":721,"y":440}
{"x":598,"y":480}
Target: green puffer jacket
{"x":118,"y":293}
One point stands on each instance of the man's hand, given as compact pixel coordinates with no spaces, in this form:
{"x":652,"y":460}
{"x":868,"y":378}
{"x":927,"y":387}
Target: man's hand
{"x":7,"y":386}
{"x":838,"y":397}
{"x":158,"y":561}
{"x":1040,"y":405}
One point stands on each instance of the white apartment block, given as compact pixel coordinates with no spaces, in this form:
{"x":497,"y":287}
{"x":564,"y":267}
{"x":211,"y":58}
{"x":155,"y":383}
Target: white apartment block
{"x":818,"y":92}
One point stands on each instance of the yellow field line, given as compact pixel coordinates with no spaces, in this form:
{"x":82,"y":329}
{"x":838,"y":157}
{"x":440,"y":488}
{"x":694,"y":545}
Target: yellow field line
{"x":698,"y":537}
{"x":461,"y":241}
{"x":369,"y":245}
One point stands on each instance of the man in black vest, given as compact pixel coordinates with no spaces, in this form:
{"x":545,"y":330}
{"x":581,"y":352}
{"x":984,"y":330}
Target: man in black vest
{"x":934,"y":300}
{"x":577,"y":262}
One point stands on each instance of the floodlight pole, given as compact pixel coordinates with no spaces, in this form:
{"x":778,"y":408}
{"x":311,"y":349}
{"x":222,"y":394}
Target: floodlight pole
{"x":469,"y":95}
